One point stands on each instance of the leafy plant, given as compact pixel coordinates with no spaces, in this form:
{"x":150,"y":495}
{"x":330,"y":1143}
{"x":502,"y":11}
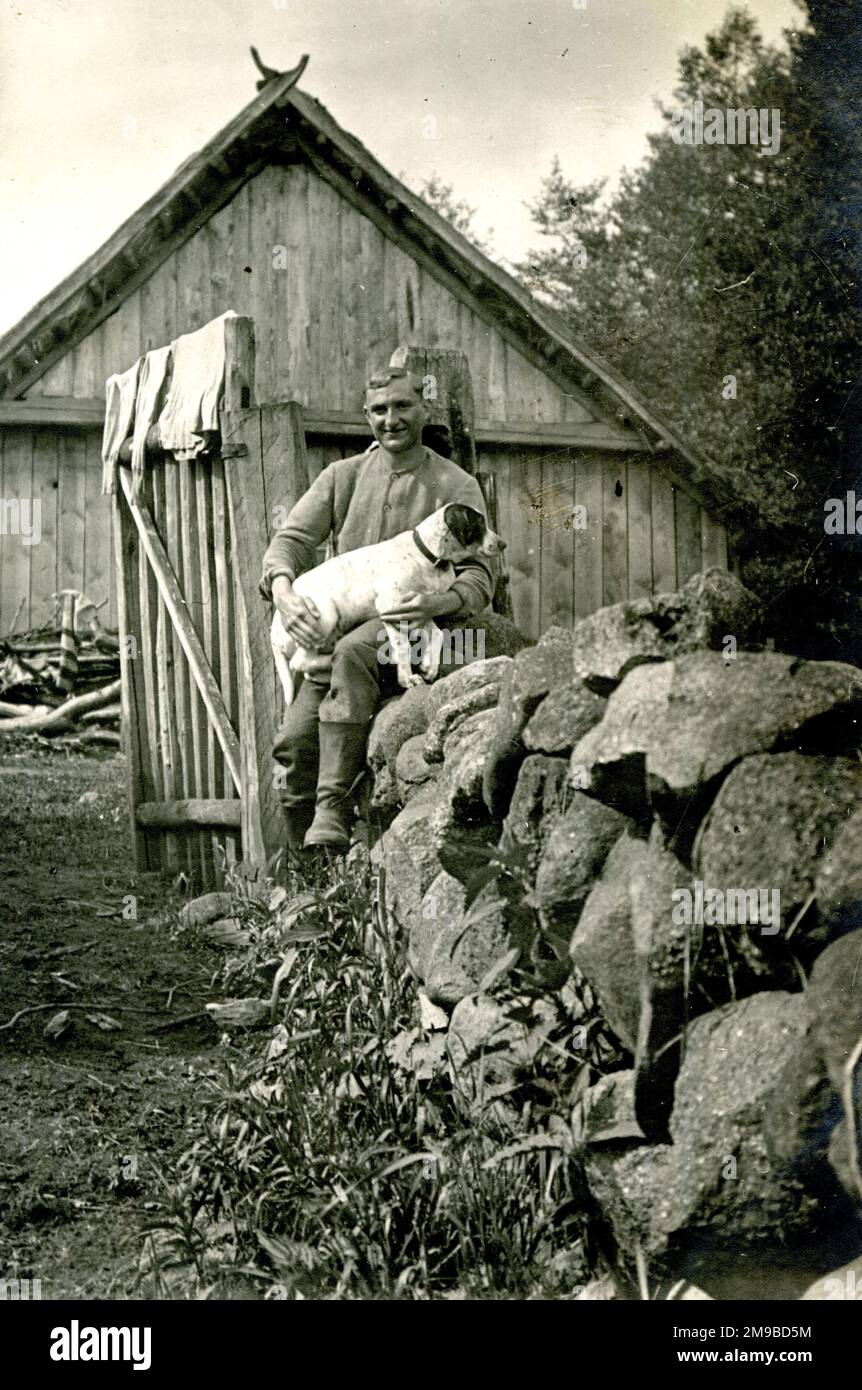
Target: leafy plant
{"x":336,"y":1160}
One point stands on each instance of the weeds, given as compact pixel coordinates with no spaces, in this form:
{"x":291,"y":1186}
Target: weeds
{"x":338,"y":1161}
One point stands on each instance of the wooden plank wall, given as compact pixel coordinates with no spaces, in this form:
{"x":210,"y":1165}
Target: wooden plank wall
{"x":331,"y":297}
{"x":63,"y":470}
{"x":642,"y":533}
{"x":647,"y":536}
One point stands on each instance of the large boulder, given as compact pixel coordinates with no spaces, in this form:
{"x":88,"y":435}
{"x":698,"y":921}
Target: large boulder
{"x":612,"y":756}
{"x":398,"y":719}
{"x":719,"y":711}
{"x":408,"y":856}
{"x":567,"y":713}
{"x":466,"y":692}
{"x":537,"y":805}
{"x":666,"y":954}
{"x":613,"y":641}
{"x":409,"y":714}
{"x":838,"y":887}
{"x":462,"y":682}
{"x":460,"y":822}
{"x":492,"y":1047}
{"x":572,"y":858}
{"x":412,"y":771}
{"x":735,"y":1065}
{"x":603,"y":946}
{"x":710,"y":607}
{"x":451,"y":951}
{"x":442,"y":903}
{"x":716,"y":1206}
{"x":765,"y":832}
{"x":465,"y":747}
{"x":466,"y":947}
{"x":534,"y":672}
{"x":626,"y":1182}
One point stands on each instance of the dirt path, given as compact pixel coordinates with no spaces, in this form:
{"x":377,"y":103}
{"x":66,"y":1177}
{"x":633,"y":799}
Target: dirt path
{"x":89,"y":1119}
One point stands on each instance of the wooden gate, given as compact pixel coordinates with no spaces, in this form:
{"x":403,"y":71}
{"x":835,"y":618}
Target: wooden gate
{"x":200,"y":703}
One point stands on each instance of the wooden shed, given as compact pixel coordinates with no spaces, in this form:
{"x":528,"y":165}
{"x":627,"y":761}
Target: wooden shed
{"x":286,"y":218}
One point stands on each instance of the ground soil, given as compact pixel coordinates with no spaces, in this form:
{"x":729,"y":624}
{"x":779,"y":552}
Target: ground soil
{"x":92,"y":1120}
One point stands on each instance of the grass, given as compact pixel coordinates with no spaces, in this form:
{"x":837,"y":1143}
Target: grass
{"x":337,"y":1158}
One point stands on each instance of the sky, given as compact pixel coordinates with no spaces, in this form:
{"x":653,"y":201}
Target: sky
{"x":101,"y":100}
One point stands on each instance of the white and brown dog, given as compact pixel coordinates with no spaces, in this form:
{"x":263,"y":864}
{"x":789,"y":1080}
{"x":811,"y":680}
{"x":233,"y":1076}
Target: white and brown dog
{"x":351,"y":588}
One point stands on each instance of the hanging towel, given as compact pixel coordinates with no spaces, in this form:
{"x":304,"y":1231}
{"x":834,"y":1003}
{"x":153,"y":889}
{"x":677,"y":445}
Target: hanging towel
{"x":151,"y":389}
{"x":197,"y":387}
{"x":120,"y":393}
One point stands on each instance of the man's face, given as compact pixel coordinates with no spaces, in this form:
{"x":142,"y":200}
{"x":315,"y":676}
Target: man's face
{"x":396,"y":415}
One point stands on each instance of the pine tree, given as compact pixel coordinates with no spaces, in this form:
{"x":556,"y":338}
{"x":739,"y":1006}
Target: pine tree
{"x":721,"y":280}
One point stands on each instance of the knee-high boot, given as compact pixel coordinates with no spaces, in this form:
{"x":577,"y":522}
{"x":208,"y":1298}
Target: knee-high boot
{"x":296,"y":750}
{"x":342,"y":765}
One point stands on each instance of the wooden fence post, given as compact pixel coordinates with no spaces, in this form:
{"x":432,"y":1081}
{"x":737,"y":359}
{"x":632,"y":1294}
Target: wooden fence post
{"x":265,"y":468}
{"x":139,"y":782}
{"x":448,"y":393}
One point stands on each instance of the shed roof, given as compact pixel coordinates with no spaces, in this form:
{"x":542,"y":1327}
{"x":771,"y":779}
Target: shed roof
{"x":284,"y":124}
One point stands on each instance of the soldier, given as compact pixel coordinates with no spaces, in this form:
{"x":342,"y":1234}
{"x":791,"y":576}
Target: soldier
{"x":359,"y":501}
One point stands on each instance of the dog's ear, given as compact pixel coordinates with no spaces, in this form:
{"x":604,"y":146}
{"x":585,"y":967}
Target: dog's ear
{"x":466,"y":523}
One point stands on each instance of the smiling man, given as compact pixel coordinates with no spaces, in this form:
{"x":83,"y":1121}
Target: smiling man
{"x":358,"y":501}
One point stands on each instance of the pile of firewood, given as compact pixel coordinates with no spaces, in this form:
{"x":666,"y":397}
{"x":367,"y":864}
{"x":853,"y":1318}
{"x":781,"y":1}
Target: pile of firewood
{"x":63,"y":680}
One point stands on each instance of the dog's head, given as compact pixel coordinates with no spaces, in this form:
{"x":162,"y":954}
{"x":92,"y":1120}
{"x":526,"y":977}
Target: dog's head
{"x":459,"y":531}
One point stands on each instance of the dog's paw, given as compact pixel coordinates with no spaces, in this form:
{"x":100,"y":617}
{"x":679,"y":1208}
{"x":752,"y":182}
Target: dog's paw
{"x":408,"y":679}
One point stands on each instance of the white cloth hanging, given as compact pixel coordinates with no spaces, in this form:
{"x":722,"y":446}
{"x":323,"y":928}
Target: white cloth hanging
{"x":196,"y":391}
{"x":120,"y":395}
{"x":151,"y":390}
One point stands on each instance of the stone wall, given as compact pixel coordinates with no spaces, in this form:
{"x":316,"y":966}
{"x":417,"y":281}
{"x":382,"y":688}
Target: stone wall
{"x":649,"y":829}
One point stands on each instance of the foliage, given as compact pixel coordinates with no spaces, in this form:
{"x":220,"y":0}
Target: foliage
{"x":441,"y":197}
{"x":505,"y":871}
{"x":337,"y":1161}
{"x":718,"y":261}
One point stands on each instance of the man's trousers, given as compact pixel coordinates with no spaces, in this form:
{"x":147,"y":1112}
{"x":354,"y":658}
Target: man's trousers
{"x":357,"y":684}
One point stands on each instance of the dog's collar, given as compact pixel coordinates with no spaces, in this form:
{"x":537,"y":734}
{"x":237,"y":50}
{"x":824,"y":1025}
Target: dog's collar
{"x":438,"y":563}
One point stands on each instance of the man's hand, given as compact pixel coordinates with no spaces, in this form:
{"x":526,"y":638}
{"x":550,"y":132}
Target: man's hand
{"x":421,"y":608}
{"x":298,"y":615}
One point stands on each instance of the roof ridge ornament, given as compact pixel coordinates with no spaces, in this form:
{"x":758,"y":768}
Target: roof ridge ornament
{"x":268,"y":74}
